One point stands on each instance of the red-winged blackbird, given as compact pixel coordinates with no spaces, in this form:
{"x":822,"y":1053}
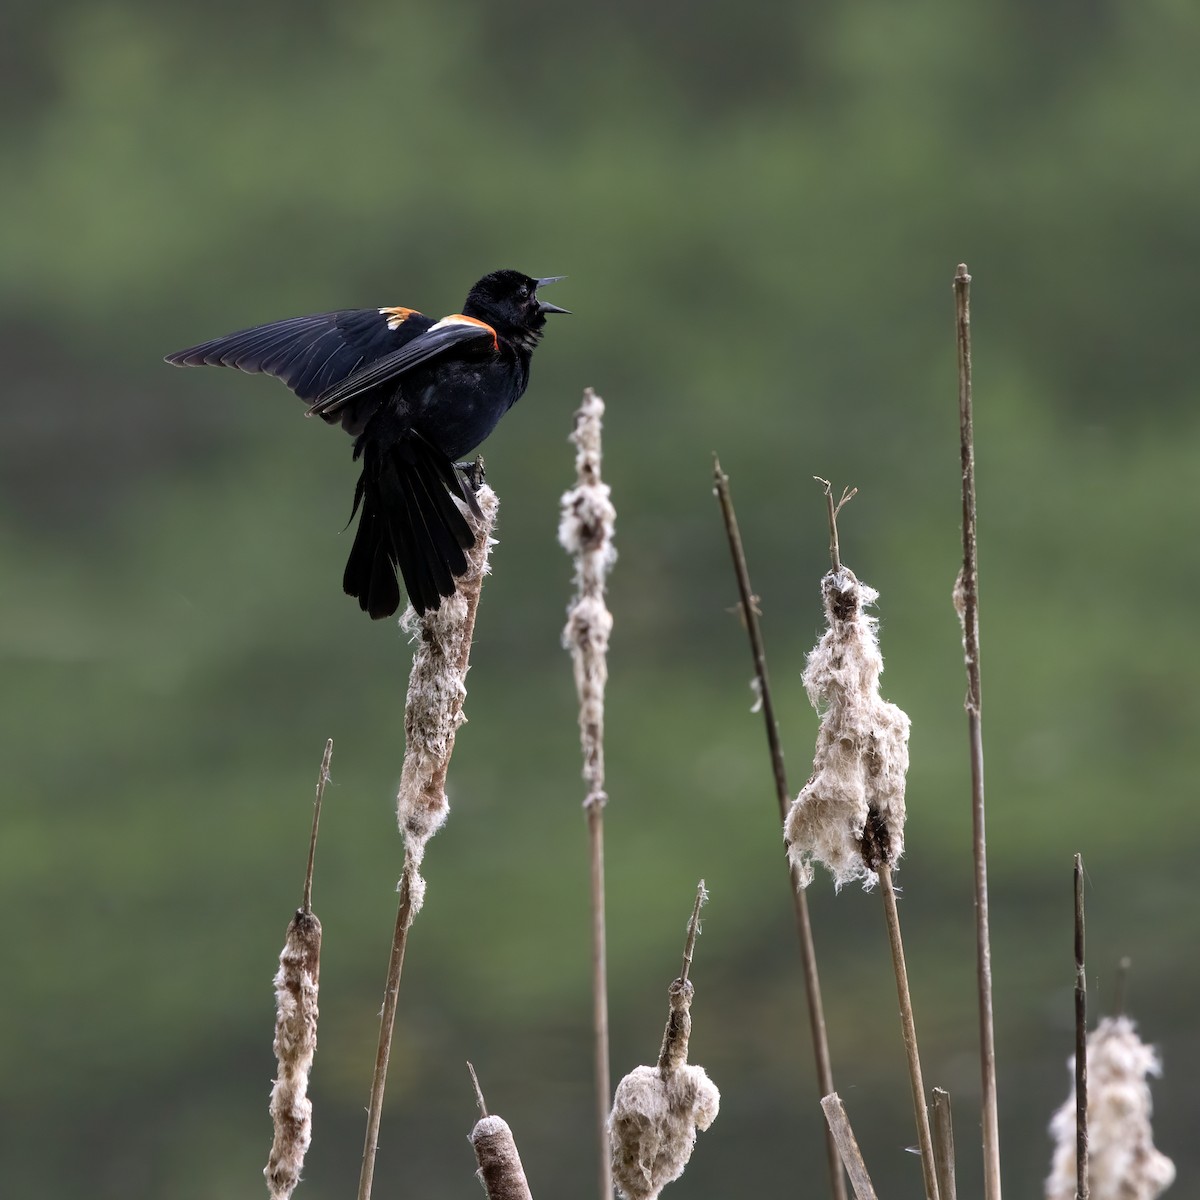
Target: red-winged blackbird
{"x":416,"y":394}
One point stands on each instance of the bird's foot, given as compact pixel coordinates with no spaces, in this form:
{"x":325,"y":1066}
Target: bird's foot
{"x":472,"y":472}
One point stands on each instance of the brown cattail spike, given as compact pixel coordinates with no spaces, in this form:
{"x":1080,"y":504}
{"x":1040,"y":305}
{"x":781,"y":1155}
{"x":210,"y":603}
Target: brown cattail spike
{"x":500,"y":1170}
{"x":296,"y":985}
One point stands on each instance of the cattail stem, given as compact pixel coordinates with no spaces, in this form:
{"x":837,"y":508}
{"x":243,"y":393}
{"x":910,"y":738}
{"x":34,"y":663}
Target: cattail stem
{"x":322,"y":780}
{"x":432,"y":715}
{"x":943,"y":1144}
{"x":1082,"y":1189}
{"x":808,"y":950}
{"x":387,"y":1023}
{"x":967,"y":602}
{"x":840,"y":1130}
{"x":600,"y":1041}
{"x":909,"y":1027}
{"x":586,"y":532}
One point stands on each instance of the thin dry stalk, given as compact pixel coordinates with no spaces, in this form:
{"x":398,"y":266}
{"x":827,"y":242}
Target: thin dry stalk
{"x":943,"y":1144}
{"x":909,"y":1026}
{"x":1082,"y":1190}
{"x":297,"y":985}
{"x":432,"y":715}
{"x":847,"y":1146}
{"x":966,"y":601}
{"x":808,"y":951}
{"x":586,"y":532}
{"x":500,"y":1170}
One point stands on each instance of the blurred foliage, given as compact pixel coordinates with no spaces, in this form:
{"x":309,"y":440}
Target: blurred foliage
{"x":760,"y":208}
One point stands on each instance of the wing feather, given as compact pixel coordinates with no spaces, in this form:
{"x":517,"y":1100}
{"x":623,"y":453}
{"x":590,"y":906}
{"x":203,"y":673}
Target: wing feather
{"x":435,"y":340}
{"x":310,"y":354}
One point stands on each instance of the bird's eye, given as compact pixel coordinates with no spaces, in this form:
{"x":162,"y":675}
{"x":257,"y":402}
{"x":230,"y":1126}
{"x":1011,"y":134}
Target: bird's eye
{"x":523,"y":292}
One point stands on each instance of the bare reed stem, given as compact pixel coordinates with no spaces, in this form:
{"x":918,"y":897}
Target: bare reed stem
{"x":432,"y":715}
{"x":966,"y":599}
{"x":909,"y":1027}
{"x":322,"y":780}
{"x":943,"y":1144}
{"x":808,"y":950}
{"x":847,"y":1145}
{"x":1082,"y":1190}
{"x":600,"y":1051}
{"x":586,"y":532}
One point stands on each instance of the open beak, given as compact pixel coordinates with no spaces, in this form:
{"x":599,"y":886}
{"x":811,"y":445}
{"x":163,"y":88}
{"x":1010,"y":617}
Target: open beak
{"x":545,"y":307}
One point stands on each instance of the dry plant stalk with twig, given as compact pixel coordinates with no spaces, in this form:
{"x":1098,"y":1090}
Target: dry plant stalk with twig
{"x":966,"y":602}
{"x":748,"y":606}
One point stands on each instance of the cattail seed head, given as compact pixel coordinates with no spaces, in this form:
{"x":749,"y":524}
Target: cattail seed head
{"x":437,"y":688}
{"x":657,"y":1111}
{"x":296,"y":987}
{"x":1122,"y":1161}
{"x":850,"y":814}
{"x":655,"y":1117}
{"x":500,"y":1170}
{"x":586,"y":531}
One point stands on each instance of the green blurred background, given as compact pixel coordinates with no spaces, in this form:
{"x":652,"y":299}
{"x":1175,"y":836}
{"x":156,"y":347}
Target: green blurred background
{"x":760,"y":208}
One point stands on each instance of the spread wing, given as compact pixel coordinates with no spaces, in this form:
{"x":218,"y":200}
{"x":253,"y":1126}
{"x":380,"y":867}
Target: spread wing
{"x":311,"y":354}
{"x":436,"y":339}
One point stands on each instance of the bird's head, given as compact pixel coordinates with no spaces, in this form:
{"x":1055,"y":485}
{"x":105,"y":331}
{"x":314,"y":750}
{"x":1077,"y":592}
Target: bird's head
{"x":509,"y":302}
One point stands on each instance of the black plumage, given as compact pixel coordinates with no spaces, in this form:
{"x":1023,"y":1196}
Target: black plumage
{"x":416,"y":394}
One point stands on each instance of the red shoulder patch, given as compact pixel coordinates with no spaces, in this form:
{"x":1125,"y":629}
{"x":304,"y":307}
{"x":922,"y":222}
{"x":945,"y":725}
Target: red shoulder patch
{"x":460,"y":319}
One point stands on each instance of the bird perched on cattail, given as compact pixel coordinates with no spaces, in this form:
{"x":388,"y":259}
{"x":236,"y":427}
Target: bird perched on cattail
{"x":416,"y":394}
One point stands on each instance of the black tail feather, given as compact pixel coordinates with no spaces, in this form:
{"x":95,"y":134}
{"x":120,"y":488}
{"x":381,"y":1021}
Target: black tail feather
{"x":409,"y":521}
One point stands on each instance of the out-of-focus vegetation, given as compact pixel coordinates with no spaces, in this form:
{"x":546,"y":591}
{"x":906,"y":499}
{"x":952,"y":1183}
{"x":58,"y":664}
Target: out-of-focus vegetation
{"x":760,"y":209}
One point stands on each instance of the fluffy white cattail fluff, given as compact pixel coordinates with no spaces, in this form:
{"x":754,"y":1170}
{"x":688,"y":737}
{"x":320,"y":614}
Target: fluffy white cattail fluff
{"x":850,"y":814}
{"x":655,"y":1116}
{"x":1122,"y":1161}
{"x":296,"y":985}
{"x":436,"y":690}
{"x":585,"y":531}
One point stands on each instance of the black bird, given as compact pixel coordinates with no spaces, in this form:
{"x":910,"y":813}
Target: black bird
{"x":416,"y":394}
